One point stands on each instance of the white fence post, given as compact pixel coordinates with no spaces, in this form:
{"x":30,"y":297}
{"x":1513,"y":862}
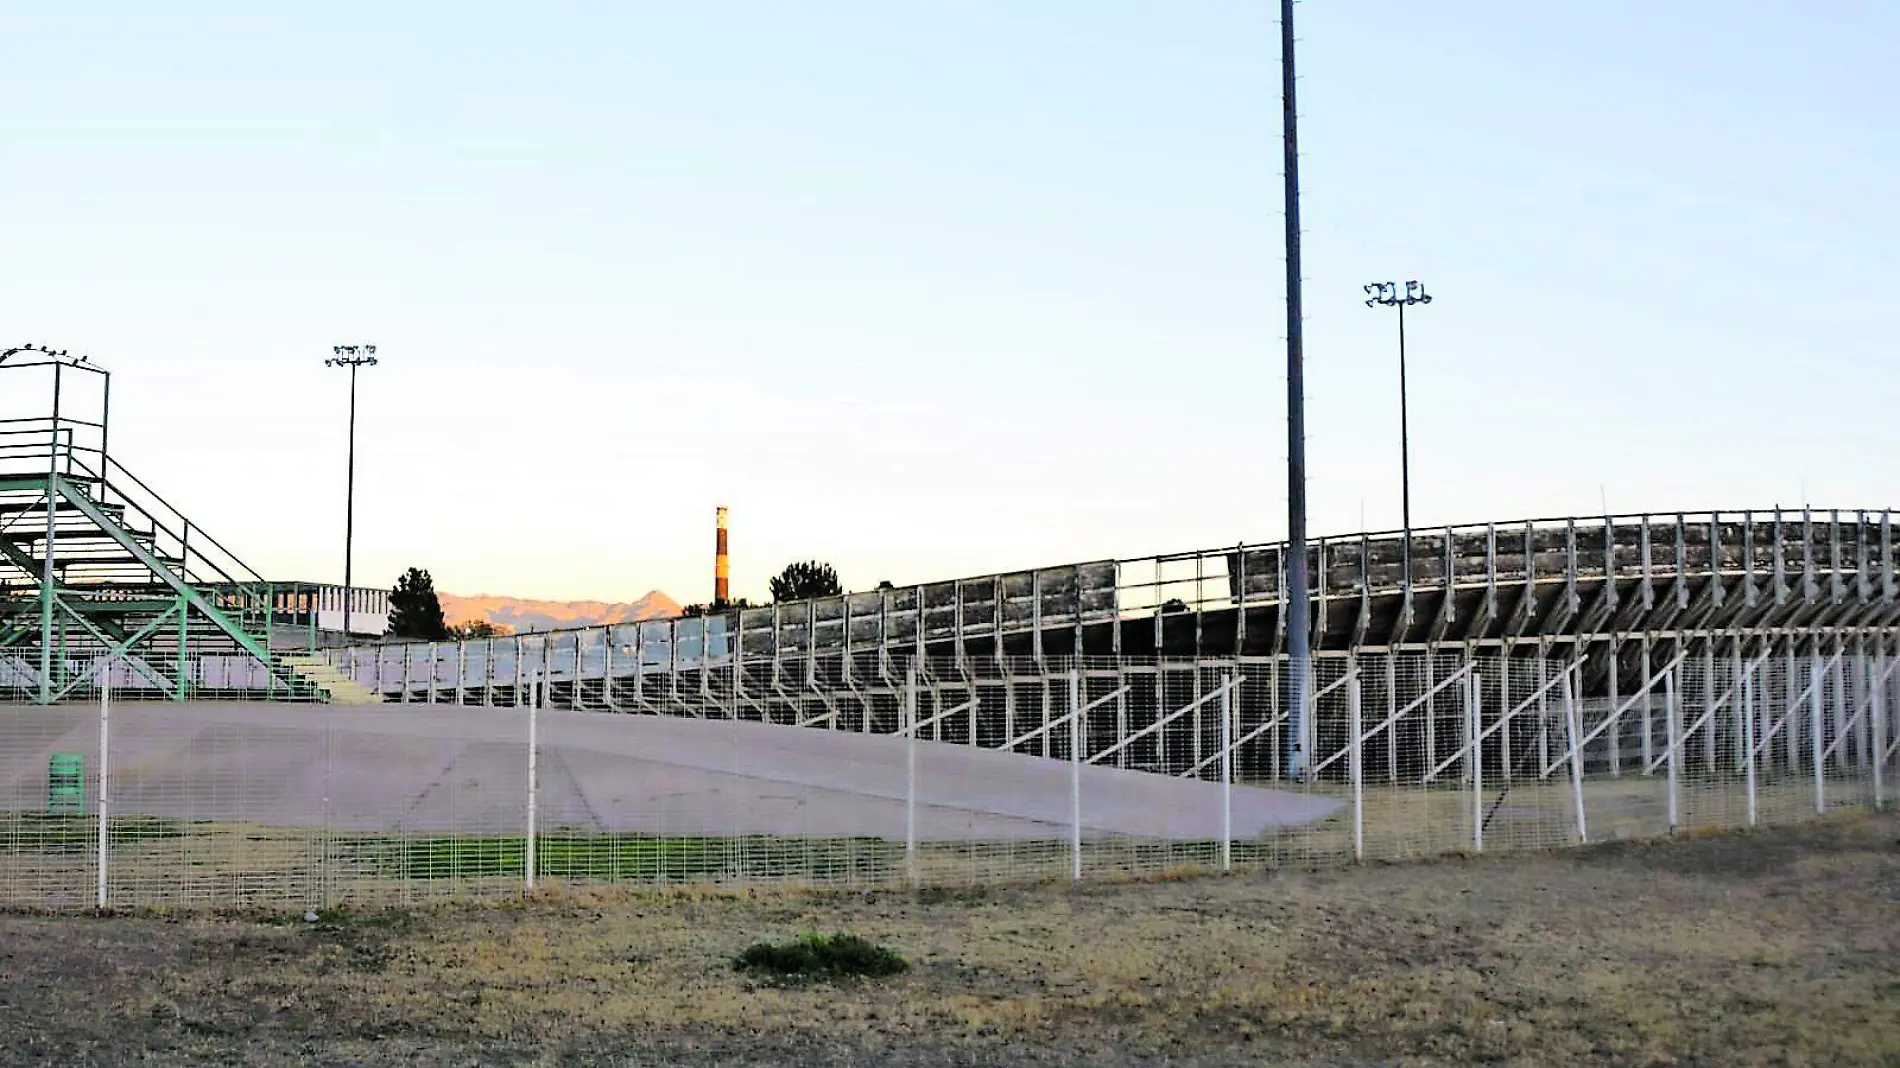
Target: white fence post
{"x":910,"y":774}
{"x":1877,"y":696}
{"x":105,"y":753}
{"x":1574,"y":728}
{"x":534,"y":767}
{"x":1748,"y":737}
{"x":1672,"y":715}
{"x":1075,"y":775}
{"x":1227,"y":772}
{"x":1474,"y":729}
{"x":1820,"y":673}
{"x":1354,"y":760}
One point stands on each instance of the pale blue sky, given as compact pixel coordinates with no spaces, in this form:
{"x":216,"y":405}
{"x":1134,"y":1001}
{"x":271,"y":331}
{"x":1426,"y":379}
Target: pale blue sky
{"x":931,"y":289}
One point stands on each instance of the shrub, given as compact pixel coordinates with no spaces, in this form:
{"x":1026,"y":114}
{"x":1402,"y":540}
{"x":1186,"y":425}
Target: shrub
{"x":821,"y":956}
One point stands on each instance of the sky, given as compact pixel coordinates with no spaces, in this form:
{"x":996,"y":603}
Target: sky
{"x":937,"y":289}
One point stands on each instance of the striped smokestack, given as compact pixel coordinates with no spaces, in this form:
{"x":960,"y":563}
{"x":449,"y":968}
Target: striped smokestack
{"x":721,"y":569}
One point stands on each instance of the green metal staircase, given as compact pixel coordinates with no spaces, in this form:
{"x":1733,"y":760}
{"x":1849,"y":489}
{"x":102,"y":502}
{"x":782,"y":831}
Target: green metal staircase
{"x":94,"y":563}
{"x":121,"y":581}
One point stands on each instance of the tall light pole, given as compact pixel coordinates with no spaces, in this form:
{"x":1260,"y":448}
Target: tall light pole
{"x":1387,"y":294}
{"x":352,"y":357}
{"x":1294,"y":599}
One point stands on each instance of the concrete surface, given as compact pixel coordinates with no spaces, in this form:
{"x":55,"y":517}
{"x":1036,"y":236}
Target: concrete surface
{"x":442,"y":769}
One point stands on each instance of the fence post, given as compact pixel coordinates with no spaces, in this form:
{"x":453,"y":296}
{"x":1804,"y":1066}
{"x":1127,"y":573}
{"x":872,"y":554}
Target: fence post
{"x":326,"y":876}
{"x":105,"y":752}
{"x":1671,"y":713}
{"x":534,"y":762}
{"x":1354,"y":760}
{"x":1877,"y":699}
{"x":1748,"y":736}
{"x":910,"y":773}
{"x":1818,"y":683}
{"x":1573,"y":726}
{"x":1474,"y":729}
{"x":1227,"y":772}
{"x":1075,"y":775}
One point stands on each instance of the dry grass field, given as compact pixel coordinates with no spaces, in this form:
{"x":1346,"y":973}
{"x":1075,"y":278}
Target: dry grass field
{"x":1774,"y":947}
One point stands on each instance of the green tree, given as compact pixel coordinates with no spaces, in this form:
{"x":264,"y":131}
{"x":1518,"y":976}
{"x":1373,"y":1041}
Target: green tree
{"x":694,"y":611}
{"x":804,"y":580}
{"x":476,"y":629}
{"x":414,"y":610}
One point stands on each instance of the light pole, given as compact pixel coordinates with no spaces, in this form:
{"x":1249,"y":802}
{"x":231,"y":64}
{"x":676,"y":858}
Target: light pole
{"x":1294,"y":603}
{"x":352,"y":357}
{"x":1387,"y":294}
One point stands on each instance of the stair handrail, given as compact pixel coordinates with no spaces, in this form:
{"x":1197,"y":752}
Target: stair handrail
{"x":251,"y":591}
{"x":184,"y":542}
{"x":187,"y":547}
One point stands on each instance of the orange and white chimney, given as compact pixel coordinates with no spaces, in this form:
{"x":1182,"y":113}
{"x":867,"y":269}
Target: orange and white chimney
{"x":721,"y":567}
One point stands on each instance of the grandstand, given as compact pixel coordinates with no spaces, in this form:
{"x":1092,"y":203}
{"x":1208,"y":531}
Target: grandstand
{"x":96,"y":561}
{"x":1597,"y":588}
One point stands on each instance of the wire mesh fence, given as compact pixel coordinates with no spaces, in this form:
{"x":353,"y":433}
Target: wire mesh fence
{"x":927,"y":772}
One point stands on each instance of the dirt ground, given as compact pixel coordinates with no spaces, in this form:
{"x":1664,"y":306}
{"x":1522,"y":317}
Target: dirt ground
{"x":1772,"y":947}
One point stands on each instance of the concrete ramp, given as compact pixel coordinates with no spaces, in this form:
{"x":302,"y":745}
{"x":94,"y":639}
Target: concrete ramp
{"x":442,"y":770}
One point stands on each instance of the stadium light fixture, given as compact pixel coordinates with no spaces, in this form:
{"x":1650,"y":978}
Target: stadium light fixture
{"x":352,"y":357}
{"x":1386,"y":294}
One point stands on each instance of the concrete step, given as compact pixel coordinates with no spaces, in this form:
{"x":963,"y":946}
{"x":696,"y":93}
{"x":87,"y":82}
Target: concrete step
{"x":320,"y":673}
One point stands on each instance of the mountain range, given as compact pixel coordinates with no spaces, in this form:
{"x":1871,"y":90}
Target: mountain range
{"x":522,"y":614}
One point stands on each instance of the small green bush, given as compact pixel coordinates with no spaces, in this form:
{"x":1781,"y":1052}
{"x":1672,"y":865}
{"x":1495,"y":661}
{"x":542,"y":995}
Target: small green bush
{"x":821,"y":956}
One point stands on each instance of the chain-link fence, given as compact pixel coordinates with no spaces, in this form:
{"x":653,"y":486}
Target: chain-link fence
{"x":927,"y":773}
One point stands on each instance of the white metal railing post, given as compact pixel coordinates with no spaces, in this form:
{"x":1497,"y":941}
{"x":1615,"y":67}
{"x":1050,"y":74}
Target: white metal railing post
{"x":105,"y":776}
{"x":1814,"y":730}
{"x":1748,"y":738}
{"x":607,"y":669}
{"x":1475,"y":719}
{"x":1671,"y":718}
{"x":1574,"y":727}
{"x":1227,"y":773}
{"x":1075,"y":775}
{"x":488,"y":673}
{"x":910,"y":774}
{"x":534,"y":767}
{"x":1355,"y":761}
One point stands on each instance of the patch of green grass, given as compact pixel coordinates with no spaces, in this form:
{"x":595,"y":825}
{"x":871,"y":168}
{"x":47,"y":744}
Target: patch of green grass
{"x":816,"y":956}
{"x":628,"y":858}
{"x":58,"y":832}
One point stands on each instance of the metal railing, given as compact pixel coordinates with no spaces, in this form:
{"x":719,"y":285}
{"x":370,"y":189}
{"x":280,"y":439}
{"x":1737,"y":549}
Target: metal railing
{"x":1619,"y":575}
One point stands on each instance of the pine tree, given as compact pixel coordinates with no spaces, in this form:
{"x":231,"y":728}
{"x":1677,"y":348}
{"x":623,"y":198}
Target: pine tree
{"x":805,"y":580}
{"x":414,"y":610}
